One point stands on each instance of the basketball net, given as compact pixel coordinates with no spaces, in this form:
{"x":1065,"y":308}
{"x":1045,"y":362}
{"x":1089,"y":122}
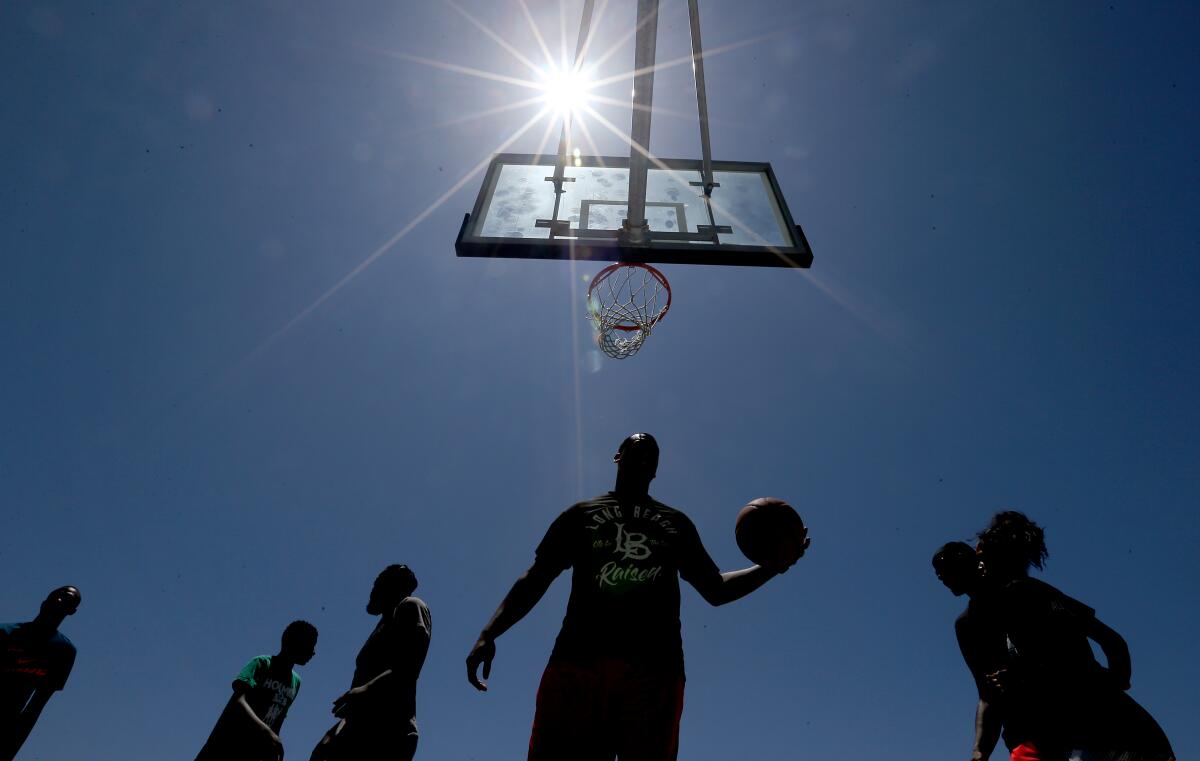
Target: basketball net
{"x":625,"y":301}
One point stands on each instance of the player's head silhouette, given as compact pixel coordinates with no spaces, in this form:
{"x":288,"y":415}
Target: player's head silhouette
{"x":393,"y":584}
{"x":957,"y":566}
{"x":59,"y":604}
{"x":299,"y":642}
{"x":1010,"y":544}
{"x":637,"y":463}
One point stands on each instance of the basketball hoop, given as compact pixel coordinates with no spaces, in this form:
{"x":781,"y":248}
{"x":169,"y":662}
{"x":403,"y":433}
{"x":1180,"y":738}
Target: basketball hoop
{"x":623,"y":302}
{"x":622,"y":209}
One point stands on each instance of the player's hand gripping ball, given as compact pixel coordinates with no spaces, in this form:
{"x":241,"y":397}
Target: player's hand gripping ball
{"x":770,"y":533}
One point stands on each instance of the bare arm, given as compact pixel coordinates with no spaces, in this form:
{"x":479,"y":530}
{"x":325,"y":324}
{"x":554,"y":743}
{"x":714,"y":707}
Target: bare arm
{"x":16,"y":734}
{"x":985,"y":655}
{"x":1116,"y":652}
{"x":242,"y":709}
{"x":382,"y":677}
{"x":721,"y":588}
{"x":341,"y":705}
{"x":525,"y":593}
{"x":987,"y":730}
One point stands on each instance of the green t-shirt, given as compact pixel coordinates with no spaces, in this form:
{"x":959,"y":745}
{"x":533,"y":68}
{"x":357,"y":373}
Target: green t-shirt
{"x":270,"y":691}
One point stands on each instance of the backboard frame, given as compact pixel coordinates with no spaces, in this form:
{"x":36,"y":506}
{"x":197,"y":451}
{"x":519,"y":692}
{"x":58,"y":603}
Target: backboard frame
{"x":606,"y":245}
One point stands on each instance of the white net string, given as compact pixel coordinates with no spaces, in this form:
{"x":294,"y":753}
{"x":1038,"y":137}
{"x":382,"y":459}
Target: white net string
{"x":623,"y":302}
{"x":620,"y":344}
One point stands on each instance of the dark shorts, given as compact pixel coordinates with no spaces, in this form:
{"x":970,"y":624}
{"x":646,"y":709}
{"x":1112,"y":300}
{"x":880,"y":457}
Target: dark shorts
{"x":605,"y":710}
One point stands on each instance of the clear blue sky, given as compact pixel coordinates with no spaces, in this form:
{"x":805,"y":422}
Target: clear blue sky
{"x":1002,"y":199}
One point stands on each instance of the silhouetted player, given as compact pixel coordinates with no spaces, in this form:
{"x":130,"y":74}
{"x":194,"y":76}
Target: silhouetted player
{"x":1053,"y":673}
{"x":248,"y":727}
{"x":35,"y":661}
{"x":983,"y":643}
{"x":378,"y":715}
{"x":614,"y":683}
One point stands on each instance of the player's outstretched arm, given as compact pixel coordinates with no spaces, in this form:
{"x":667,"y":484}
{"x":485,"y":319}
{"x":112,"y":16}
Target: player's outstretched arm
{"x":698,"y":569}
{"x":721,"y":588}
{"x":525,"y":593}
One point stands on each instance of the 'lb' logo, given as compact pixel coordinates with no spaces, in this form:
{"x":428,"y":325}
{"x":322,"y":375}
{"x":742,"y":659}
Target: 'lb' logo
{"x":631,"y":544}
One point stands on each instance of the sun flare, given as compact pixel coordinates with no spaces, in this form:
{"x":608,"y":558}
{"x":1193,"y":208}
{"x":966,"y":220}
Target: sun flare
{"x":566,"y":90}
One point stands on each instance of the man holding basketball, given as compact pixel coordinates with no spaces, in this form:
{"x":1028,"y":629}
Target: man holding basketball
{"x":614,"y":685}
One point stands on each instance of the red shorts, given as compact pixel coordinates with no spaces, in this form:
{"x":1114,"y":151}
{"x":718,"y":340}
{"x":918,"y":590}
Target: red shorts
{"x":1027,"y":752}
{"x":607,"y":709}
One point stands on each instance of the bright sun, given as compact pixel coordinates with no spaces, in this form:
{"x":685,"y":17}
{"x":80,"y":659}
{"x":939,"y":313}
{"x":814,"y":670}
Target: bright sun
{"x":565,"y":90}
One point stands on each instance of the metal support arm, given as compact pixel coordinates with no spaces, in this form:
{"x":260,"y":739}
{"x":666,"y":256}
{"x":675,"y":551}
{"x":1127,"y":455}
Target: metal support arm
{"x":701,"y":97}
{"x":643,"y":99}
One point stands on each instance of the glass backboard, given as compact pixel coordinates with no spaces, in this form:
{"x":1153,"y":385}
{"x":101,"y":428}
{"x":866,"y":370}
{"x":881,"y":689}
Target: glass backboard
{"x":519,"y":214}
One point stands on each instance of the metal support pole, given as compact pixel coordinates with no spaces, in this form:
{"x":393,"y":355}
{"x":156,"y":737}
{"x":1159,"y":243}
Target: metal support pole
{"x":701,"y":97}
{"x":556,"y":225}
{"x":585,"y":25}
{"x":635,"y":228}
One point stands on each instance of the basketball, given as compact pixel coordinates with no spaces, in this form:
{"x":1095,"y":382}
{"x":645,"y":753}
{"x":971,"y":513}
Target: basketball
{"x":770,"y":533}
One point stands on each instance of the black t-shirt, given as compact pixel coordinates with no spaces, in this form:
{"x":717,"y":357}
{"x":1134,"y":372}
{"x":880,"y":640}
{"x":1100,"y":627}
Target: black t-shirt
{"x":627,"y":555}
{"x":1047,"y":631}
{"x":30,"y":661}
{"x":399,"y":642}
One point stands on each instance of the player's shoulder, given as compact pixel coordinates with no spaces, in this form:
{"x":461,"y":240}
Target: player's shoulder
{"x":674,"y":515}
{"x":584,"y":508}
{"x":412,"y":610}
{"x":607,"y":499}
{"x":63,"y":643}
{"x":664,"y":507}
{"x":1034,"y":595}
{"x":1057,"y":600}
{"x":1029,"y":589}
{"x":414,"y":602}
{"x":972,"y":618}
{"x":256,"y":665}
{"x":250,"y":675}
